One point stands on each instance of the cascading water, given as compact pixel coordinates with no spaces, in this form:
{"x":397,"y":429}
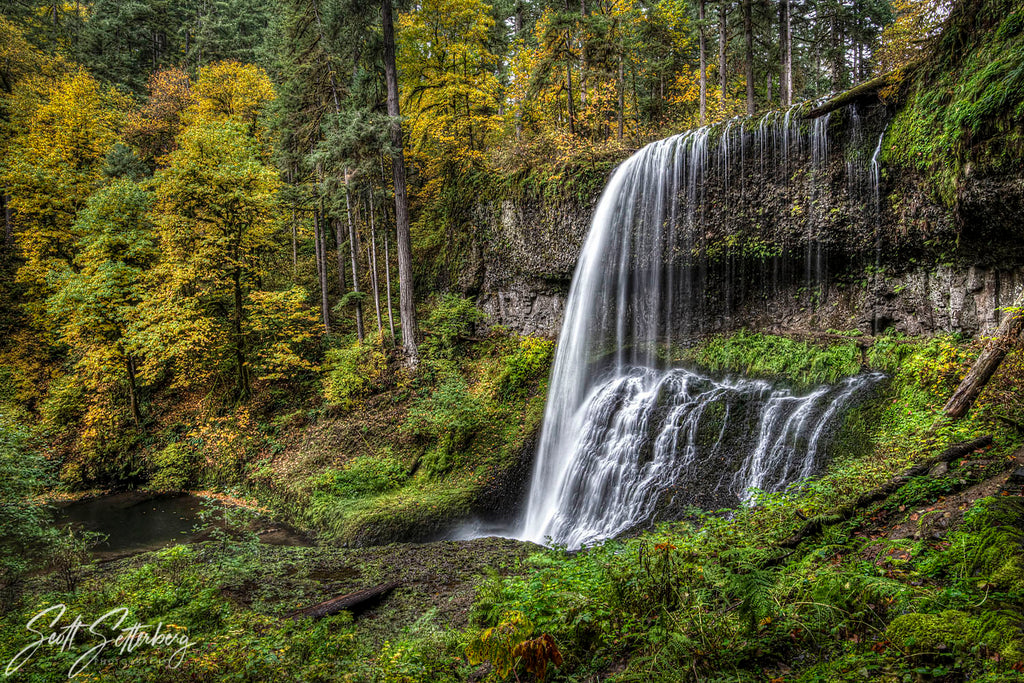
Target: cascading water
{"x":623,"y":428}
{"x":876,"y":175}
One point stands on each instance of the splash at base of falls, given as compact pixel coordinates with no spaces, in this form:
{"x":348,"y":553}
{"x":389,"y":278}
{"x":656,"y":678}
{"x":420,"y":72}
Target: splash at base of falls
{"x":643,"y":436}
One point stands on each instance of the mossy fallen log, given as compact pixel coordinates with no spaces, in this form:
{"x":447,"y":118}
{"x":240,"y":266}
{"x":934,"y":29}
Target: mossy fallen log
{"x":816,"y":525}
{"x":350,"y":601}
{"x":865,"y":92}
{"x":988,"y":362}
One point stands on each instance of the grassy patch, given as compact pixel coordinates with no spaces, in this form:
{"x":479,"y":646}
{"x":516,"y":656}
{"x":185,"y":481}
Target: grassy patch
{"x":765,"y":355}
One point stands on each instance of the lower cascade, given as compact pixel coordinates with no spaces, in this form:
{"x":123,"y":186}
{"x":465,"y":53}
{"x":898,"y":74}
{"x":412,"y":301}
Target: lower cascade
{"x":626,"y":434}
{"x":643,"y":432}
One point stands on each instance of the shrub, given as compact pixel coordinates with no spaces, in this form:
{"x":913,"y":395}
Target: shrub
{"x":450,"y":416}
{"x":354,"y":372}
{"x":531,"y":359}
{"x":176,"y":467}
{"x":69,"y":554}
{"x":452,"y":319}
{"x":24,"y":523}
{"x":234,"y":546}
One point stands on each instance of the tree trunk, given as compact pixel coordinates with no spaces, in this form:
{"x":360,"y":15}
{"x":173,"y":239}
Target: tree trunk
{"x":321,"y":269}
{"x":322,"y":55}
{"x":865,"y":92}
{"x":703,"y":64}
{"x":243,"y":372}
{"x":786,"y":54}
{"x":295,"y":249}
{"x":5,"y":202}
{"x":568,"y":92}
{"x":723,"y":37}
{"x":988,"y":362}
{"x":340,"y":242}
{"x":133,"y":390}
{"x":838,"y":54}
{"x":373,"y":267}
{"x":621,"y":113}
{"x":353,"y":249}
{"x":816,"y":525}
{"x":352,"y":602}
{"x":406,"y":302}
{"x":387,"y":285}
{"x":295,"y":245}
{"x":748,"y":54}
{"x":583,"y":55}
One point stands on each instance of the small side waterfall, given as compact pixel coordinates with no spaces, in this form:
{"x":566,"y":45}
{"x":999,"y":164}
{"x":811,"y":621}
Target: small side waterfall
{"x":624,"y":430}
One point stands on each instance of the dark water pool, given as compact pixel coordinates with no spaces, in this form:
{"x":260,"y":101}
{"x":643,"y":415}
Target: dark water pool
{"x":136,"y":522}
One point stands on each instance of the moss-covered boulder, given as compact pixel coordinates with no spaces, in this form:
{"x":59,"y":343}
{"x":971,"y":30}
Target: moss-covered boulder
{"x":954,"y":632}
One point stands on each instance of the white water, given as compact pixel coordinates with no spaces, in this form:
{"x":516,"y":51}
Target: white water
{"x":876,"y":175}
{"x":621,"y":426}
{"x":641,"y":431}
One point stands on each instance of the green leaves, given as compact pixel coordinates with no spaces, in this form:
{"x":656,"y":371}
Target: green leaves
{"x":448,"y":324}
{"x":450,"y":416}
{"x":24,"y":521}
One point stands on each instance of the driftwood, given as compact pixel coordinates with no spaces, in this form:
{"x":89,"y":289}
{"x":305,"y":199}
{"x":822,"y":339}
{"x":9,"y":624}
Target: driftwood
{"x":988,"y":362}
{"x":816,"y":525}
{"x":865,"y":92}
{"x":351,"y":601}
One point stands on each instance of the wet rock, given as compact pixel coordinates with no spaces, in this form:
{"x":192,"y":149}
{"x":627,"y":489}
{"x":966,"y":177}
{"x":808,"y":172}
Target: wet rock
{"x":939,"y":469}
{"x":803,"y":247}
{"x":1016,"y":477}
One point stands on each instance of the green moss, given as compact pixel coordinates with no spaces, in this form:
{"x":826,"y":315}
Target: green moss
{"x":765,"y":355}
{"x":364,"y":475}
{"x":953,"y":632}
{"x":930,"y":633}
{"x":989,"y":548}
{"x":176,"y":468}
{"x":965,"y":104}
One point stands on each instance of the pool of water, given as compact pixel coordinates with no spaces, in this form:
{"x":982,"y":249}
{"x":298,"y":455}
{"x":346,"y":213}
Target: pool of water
{"x":137,"y":522}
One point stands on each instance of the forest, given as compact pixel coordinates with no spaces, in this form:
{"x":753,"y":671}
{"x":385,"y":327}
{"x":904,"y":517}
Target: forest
{"x":662,"y":340}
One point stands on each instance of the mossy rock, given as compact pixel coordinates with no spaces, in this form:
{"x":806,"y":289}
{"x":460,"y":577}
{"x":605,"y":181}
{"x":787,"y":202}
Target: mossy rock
{"x":953,"y":632}
{"x":992,"y":543}
{"x":923,"y":634}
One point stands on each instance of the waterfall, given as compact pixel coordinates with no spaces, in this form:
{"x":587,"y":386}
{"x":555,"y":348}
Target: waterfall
{"x":624,"y":429}
{"x":876,"y":175}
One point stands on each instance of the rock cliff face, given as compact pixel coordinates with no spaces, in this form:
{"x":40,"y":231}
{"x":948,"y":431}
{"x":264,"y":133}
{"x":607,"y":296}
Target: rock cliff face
{"x":803,"y":228}
{"x":528,"y":255}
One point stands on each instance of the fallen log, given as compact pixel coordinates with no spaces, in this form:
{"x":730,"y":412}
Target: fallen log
{"x":865,"y":92}
{"x":354,"y":602}
{"x":816,"y":525}
{"x":988,"y":362}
